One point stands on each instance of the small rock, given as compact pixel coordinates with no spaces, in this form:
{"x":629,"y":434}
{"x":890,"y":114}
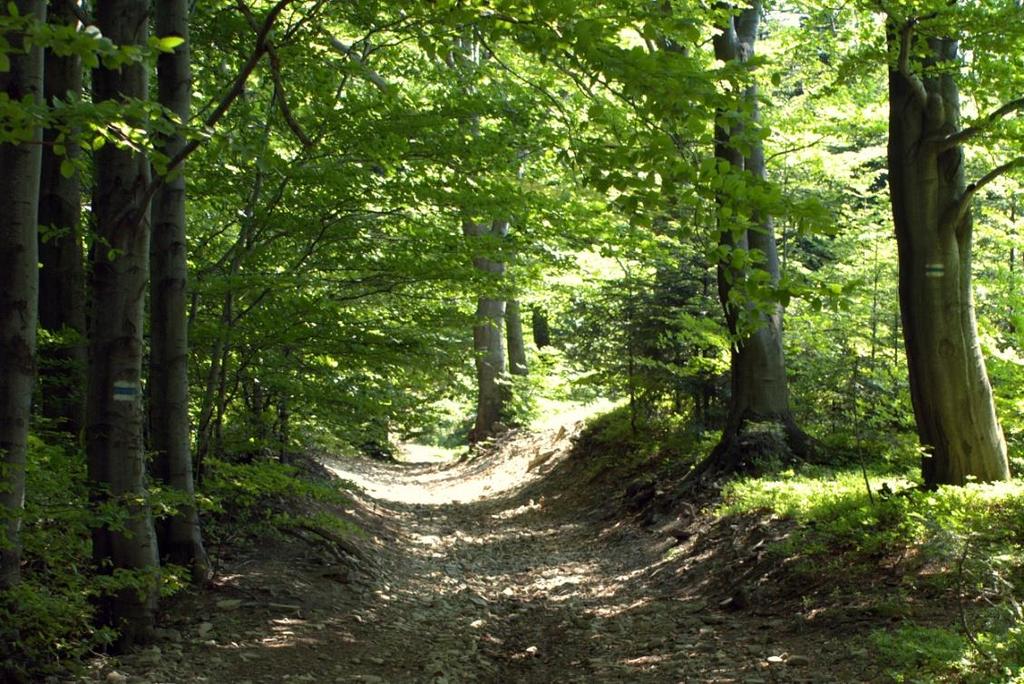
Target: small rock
{"x":229,"y":604}
{"x":531,"y":650}
{"x":115,"y":677}
{"x":798,"y":660}
{"x":377,"y":661}
{"x":204,"y":628}
{"x":775,"y":660}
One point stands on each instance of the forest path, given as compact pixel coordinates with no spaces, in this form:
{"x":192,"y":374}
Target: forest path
{"x":516,"y":566}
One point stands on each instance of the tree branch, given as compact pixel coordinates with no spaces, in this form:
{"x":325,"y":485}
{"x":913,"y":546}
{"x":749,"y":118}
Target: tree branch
{"x":275,"y":74}
{"x":237,"y":88}
{"x":239,"y":84}
{"x":903,"y":61}
{"x":970,"y":132}
{"x":368,"y":73}
{"x":965,"y":201}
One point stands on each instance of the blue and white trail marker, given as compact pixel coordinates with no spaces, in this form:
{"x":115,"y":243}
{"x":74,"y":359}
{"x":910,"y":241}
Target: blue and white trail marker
{"x":934,"y":270}
{"x":125,"y":391}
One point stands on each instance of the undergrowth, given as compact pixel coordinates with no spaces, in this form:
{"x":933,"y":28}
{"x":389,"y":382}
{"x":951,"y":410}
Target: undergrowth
{"x":963,"y":546}
{"x":47,"y":622}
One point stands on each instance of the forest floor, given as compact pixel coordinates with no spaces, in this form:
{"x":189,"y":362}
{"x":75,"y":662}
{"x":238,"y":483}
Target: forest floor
{"x":525,"y":563}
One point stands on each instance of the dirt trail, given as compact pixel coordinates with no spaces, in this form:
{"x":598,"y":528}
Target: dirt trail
{"x":512,"y":567}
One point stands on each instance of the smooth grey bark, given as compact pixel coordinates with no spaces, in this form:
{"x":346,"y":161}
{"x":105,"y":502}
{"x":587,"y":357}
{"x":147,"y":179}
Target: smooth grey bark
{"x":931,"y":203}
{"x":119,"y":262}
{"x":488,"y":340}
{"x":62,"y":273}
{"x":514,"y":332}
{"x":19,"y":289}
{"x":758,"y":369}
{"x":179,"y":535}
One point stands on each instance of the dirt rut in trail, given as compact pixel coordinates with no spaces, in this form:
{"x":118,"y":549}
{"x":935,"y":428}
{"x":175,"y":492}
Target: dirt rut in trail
{"x":516,"y":566}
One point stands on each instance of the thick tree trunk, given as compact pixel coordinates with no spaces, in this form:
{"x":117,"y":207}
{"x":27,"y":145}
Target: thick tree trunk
{"x":488,"y":341}
{"x":514,"y":333}
{"x":119,"y":270}
{"x":19,"y":289}
{"x":179,"y":535}
{"x":949,"y":387}
{"x":62,"y":276}
{"x":758,"y":370}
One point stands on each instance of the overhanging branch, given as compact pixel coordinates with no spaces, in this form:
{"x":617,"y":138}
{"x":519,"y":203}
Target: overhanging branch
{"x":275,"y":74}
{"x":965,"y":202}
{"x":973,"y":131}
{"x":237,"y":88}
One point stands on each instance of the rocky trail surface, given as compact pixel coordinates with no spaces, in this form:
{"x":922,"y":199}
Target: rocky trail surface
{"x":523,"y":564}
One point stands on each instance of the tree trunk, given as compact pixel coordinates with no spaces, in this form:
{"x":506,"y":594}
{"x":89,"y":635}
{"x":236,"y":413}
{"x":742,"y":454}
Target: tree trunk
{"x":62,"y":276}
{"x":19,"y":289}
{"x":179,"y":535}
{"x":949,"y":387}
{"x":488,"y":342}
{"x":119,"y":269}
{"x":540,"y":327}
{"x":758,"y":370}
{"x":514,"y":332}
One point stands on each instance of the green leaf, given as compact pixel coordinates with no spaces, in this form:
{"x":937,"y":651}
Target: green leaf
{"x":168,"y":43}
{"x":67,"y":168}
{"x":12,"y":9}
{"x":5,"y":62}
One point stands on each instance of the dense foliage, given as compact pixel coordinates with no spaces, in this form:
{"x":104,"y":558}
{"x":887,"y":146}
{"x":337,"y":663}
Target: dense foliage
{"x":337,"y":153}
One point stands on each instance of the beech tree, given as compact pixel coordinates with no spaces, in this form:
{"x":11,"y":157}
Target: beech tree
{"x":20,"y":158}
{"x":758,"y":368}
{"x":932,"y":212}
{"x":488,"y":338}
{"x":179,"y":535}
{"x":119,"y":270}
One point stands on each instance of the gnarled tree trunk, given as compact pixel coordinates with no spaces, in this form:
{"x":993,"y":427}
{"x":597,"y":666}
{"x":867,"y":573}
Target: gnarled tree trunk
{"x":119,"y":270}
{"x":949,"y":387}
{"x":62,"y":276}
{"x":179,"y":535}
